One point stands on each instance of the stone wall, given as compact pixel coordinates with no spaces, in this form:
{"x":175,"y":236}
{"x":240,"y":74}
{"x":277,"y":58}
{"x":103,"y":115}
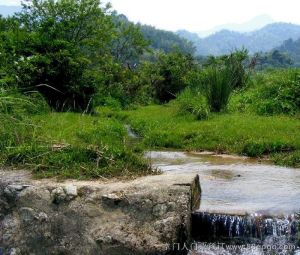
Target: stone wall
{"x":143,"y":216}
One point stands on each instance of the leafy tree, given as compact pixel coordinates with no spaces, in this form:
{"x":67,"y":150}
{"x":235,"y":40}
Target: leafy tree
{"x":273,"y":58}
{"x":168,"y":74}
{"x":56,"y":46}
{"x":9,"y":28}
{"x":129,"y":44}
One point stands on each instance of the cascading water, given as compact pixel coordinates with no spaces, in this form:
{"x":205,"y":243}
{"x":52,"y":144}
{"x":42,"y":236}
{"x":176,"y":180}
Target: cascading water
{"x":220,"y":234}
{"x":233,"y":190}
{"x":254,"y":228}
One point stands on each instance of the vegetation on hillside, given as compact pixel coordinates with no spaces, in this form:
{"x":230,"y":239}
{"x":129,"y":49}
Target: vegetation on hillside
{"x":292,"y":48}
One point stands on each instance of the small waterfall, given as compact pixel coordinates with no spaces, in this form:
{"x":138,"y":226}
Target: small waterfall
{"x":220,"y":234}
{"x":255,"y":227}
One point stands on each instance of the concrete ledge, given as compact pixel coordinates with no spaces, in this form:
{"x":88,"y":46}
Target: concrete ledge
{"x":143,"y":216}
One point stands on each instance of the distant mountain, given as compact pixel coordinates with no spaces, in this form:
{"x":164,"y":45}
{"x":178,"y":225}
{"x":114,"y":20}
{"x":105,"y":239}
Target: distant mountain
{"x":9,"y":10}
{"x":262,"y":40}
{"x":256,"y":23}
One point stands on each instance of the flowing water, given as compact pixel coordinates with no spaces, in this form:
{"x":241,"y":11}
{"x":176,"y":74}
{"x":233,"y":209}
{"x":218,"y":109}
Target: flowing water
{"x":247,"y":206}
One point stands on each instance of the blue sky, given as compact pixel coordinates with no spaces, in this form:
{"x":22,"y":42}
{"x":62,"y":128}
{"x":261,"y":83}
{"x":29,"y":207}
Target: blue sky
{"x":197,"y":15}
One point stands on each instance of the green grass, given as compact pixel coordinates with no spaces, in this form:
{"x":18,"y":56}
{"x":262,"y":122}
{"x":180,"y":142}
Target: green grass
{"x":252,"y":135}
{"x":69,"y":145}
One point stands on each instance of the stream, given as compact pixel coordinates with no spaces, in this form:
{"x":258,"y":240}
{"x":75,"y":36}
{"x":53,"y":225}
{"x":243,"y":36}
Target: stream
{"x":248,"y":206}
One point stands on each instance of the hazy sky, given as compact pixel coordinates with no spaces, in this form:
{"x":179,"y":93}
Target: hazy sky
{"x":197,"y":15}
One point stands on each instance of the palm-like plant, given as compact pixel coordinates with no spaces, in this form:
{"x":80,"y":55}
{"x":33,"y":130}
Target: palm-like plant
{"x":223,"y":75}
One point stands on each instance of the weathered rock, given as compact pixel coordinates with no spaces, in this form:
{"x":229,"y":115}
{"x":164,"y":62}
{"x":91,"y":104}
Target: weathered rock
{"x":160,"y":210}
{"x":58,"y":195}
{"x":27,"y":214}
{"x":71,"y":191}
{"x":144,"y":216}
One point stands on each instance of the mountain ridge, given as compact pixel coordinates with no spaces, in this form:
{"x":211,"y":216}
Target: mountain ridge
{"x":253,"y":24}
{"x":261,"y":40}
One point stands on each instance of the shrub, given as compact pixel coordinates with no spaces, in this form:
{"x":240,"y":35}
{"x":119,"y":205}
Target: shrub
{"x":167,"y":76}
{"x":220,"y":78}
{"x":193,"y":102}
{"x":274,"y":92}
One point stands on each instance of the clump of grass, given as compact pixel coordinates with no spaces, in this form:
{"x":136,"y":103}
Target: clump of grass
{"x":258,"y":149}
{"x":192,"y":102}
{"x":15,"y":104}
{"x":287,"y":159}
{"x":221,"y":77}
{"x":66,"y":145}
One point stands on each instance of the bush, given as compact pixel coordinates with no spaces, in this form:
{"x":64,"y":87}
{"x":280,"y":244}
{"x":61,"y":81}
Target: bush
{"x":221,"y":77}
{"x":168,"y":75}
{"x":273,"y":92}
{"x":193,"y":102}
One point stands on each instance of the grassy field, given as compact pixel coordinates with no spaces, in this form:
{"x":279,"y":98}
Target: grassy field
{"x":260,"y":120}
{"x":69,"y":145}
{"x":251,"y":135}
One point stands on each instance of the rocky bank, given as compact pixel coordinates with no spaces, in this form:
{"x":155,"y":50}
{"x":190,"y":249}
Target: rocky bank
{"x":143,"y":216}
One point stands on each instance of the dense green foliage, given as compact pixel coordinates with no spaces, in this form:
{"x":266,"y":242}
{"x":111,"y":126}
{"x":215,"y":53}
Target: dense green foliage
{"x":221,"y":77}
{"x":192,"y":101}
{"x":63,"y":40}
{"x":273,"y":59}
{"x":270,"y":93}
{"x":170,"y":74}
{"x":292,"y":48}
{"x":78,"y":55}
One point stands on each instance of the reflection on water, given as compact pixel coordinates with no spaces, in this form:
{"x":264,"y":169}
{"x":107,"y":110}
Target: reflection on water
{"x":236,"y":185}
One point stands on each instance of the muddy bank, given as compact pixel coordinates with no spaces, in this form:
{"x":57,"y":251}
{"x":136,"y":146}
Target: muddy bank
{"x":143,"y":216}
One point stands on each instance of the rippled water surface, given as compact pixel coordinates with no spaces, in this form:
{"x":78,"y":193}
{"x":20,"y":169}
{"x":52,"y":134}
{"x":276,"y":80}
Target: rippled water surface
{"x":236,"y":185}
